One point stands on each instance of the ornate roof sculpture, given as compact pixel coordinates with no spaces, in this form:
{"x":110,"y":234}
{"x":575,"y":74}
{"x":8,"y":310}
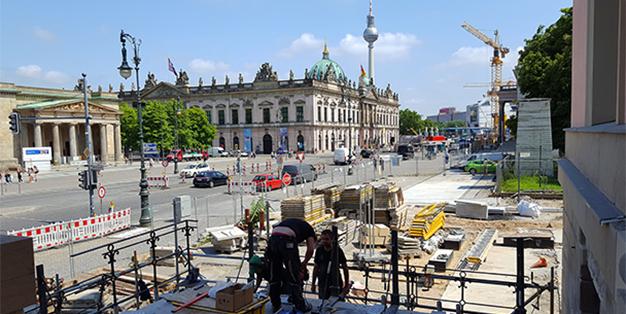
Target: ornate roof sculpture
{"x":266,"y":74}
{"x":327,"y":70}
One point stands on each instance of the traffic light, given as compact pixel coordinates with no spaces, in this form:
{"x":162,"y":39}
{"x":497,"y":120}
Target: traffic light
{"x":83,"y":180}
{"x":14,"y":122}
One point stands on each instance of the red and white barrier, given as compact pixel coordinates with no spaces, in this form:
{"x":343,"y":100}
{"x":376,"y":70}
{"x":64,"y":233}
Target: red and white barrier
{"x":56,"y":234}
{"x":158,"y":182}
{"x":247,"y":187}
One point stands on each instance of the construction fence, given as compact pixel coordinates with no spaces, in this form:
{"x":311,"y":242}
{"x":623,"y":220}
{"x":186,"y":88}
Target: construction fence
{"x":537,"y":177}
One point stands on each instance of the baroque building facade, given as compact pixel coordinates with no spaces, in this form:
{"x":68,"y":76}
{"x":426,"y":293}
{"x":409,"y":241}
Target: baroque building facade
{"x":318,"y":113}
{"x":55,"y":118}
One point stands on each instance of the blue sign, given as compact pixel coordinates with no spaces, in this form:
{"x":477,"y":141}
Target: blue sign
{"x":150,"y":150}
{"x":247,"y":140}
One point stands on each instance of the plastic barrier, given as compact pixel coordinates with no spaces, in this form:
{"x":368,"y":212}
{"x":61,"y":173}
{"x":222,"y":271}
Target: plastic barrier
{"x":247,"y":187}
{"x":158,"y":182}
{"x":56,"y":234}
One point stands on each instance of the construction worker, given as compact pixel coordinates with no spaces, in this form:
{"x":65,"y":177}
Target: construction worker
{"x":283,"y":256}
{"x":330,"y":282}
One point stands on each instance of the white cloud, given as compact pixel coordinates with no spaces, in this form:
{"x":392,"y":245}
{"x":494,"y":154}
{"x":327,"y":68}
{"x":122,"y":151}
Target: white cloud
{"x":387,"y":45}
{"x":44,"y":34}
{"x":29,"y":71}
{"x":305,"y":43}
{"x":35,"y":72}
{"x":471,"y":56}
{"x":202,"y":66}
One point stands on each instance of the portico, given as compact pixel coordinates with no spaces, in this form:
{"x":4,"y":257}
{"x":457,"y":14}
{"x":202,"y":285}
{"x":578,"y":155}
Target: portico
{"x":60,"y":124}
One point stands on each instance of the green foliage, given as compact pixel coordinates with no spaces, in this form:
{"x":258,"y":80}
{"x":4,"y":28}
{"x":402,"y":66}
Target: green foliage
{"x":454,"y":124}
{"x":531,"y":183}
{"x":511,"y":124}
{"x":162,"y":121}
{"x":412,"y":121}
{"x":130,"y":127}
{"x":544,"y":71}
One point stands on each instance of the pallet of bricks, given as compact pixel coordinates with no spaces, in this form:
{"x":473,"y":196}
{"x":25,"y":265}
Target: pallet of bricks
{"x":331,"y":192}
{"x":309,"y":208}
{"x":389,"y":205}
{"x":352,"y":197}
{"x":427,"y":221}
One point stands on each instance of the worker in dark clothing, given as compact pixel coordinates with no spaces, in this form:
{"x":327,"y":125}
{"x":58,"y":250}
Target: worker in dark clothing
{"x":330,"y":281}
{"x":282,"y":253}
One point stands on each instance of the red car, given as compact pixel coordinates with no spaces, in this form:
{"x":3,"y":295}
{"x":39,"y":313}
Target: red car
{"x":271,"y":181}
{"x":175,"y":153}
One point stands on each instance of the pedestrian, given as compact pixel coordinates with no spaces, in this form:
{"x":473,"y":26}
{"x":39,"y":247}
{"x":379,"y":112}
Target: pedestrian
{"x":326,"y":272}
{"x":7,"y":177}
{"x":286,"y":269}
{"x":19,"y":171}
{"x":29,"y":172}
{"x":35,"y":173}
{"x":111,"y":207}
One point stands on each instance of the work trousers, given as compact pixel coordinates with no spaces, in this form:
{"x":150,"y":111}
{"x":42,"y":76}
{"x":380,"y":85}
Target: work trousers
{"x":283,"y":256}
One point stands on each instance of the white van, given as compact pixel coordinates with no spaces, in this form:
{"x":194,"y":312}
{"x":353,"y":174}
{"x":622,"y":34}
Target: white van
{"x":216,"y":151}
{"x":342,"y":156}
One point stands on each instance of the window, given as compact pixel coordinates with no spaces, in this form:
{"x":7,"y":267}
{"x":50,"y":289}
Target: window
{"x":284,"y":114}
{"x":266,"y":115}
{"x":209,"y":116}
{"x":344,"y":116}
{"x":235,"y":116}
{"x":332,"y":115}
{"x":248,"y":115}
{"x":319,"y":114}
{"x":325,"y":114}
{"x":299,"y":114}
{"x":220,"y":117}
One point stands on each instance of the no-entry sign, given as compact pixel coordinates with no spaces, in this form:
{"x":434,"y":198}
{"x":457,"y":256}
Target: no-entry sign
{"x":102,"y":192}
{"x":287,"y":179}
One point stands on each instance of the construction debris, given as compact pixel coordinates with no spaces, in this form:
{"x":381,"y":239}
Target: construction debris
{"x":454,"y":239}
{"x":407,"y":247}
{"x":331,"y":192}
{"x":387,"y":195}
{"x":353,"y":198}
{"x":376,"y":235}
{"x":227,"y":239}
{"x":478,"y":252}
{"x":427,"y":221}
{"x":392,"y":217}
{"x":441,"y":259}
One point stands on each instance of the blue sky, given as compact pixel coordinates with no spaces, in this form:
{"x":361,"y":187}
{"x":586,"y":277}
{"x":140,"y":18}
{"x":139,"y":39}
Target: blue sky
{"x":422,"y":51}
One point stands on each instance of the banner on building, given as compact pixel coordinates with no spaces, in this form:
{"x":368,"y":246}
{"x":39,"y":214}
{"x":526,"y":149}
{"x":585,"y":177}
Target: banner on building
{"x":247,"y":140}
{"x":284,"y":139}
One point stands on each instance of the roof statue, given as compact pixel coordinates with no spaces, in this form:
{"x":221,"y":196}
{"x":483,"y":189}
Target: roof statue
{"x":132,"y":86}
{"x":290,"y":75}
{"x":240,"y":79}
{"x":213,"y":81}
{"x":182,"y":79}
{"x":99,"y":88}
{"x":388,"y":91}
{"x":265,"y":73}
{"x":121,"y":87}
{"x":110,"y":88}
{"x":150,"y":81}
{"x":79,"y":86}
{"x":200,"y":82}
{"x":226,"y":80}
{"x":306,"y":73}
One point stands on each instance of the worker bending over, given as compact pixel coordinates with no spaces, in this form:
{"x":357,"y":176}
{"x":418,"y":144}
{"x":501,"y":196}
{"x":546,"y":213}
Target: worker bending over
{"x":330,"y":283}
{"x":282,"y":252}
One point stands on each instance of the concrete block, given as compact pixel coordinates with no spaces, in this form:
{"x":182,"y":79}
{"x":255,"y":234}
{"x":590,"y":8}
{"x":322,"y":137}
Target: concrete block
{"x":471,"y":209}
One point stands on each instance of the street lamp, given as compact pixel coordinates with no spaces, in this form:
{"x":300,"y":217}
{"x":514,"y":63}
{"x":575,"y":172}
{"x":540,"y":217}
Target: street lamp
{"x":126,"y":71}
{"x":343,"y":100}
{"x":176,"y":134}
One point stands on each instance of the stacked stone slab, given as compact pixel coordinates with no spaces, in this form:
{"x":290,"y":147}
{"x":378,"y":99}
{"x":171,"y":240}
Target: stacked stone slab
{"x":534,"y":137}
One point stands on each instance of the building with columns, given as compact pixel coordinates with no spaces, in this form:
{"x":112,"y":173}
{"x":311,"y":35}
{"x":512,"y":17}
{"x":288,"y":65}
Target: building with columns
{"x":317,"y":113}
{"x":56,"y":118}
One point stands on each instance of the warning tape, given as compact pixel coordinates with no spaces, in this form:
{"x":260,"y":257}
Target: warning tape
{"x":158,"y":182}
{"x":56,"y":234}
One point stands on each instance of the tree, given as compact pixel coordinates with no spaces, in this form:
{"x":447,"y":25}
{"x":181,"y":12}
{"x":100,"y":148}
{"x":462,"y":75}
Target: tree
{"x":454,"y":124}
{"x":156,"y":125}
{"x":511,"y":124}
{"x":409,"y":121}
{"x":130,"y":127}
{"x":544,"y":71}
{"x":202,"y":132}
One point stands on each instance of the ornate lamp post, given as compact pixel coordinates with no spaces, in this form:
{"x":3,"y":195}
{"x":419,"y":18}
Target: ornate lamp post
{"x":126,"y":71}
{"x":176,"y":114}
{"x":346,"y":100}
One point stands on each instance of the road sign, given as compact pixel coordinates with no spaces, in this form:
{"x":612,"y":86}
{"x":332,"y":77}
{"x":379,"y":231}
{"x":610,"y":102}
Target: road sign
{"x":150,"y":150}
{"x":524,"y":154}
{"x":102,"y":192}
{"x":164,"y":163}
{"x":300,"y":156}
{"x":287,"y":179}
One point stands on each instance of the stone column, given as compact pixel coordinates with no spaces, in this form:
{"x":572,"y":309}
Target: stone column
{"x":73,"y":142}
{"x":38,"y":138}
{"x":103,"y":143}
{"x":118,"y":142}
{"x":56,"y":144}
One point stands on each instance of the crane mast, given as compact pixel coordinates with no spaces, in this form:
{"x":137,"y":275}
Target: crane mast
{"x":499,"y":52}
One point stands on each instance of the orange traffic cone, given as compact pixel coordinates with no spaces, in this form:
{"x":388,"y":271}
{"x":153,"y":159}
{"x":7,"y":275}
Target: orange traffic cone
{"x":540,"y":263}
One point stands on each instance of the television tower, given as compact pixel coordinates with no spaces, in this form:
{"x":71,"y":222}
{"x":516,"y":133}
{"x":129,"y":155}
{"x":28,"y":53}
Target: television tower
{"x":370,"y":34}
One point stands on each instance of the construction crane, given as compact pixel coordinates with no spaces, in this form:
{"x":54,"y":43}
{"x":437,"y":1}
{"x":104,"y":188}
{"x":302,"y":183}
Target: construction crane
{"x":499,"y":52}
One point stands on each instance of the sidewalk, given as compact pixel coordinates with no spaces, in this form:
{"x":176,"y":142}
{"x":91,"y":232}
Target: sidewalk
{"x":442,"y":188}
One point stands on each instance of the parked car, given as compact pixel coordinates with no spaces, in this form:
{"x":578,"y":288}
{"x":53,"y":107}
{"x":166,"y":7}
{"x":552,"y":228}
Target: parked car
{"x":215,"y":151}
{"x":224,"y":153}
{"x":366,"y":153}
{"x":267,"y":182}
{"x":308,"y":173}
{"x":493,"y":156}
{"x":209,"y":179}
{"x":478,"y":166}
{"x":191,"y":170}
{"x":406,"y":151}
{"x":342,"y":156}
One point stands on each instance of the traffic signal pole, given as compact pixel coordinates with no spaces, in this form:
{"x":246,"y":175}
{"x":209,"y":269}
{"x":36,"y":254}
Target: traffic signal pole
{"x":88,"y":144}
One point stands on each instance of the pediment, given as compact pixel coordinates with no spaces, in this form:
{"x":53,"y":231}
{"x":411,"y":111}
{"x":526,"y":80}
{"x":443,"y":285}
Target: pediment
{"x":79,"y":107}
{"x":162,"y":90}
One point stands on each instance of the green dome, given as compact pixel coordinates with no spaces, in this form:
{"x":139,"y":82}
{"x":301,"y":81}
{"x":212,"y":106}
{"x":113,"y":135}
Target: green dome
{"x":327,"y":69}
